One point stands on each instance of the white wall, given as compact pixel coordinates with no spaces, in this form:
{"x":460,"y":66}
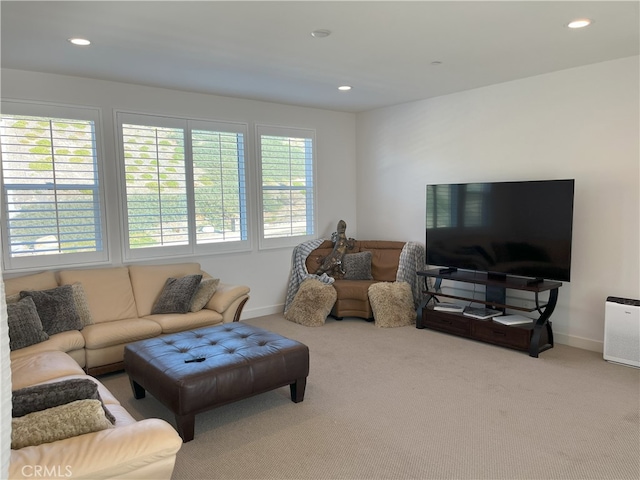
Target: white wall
{"x":265,"y":271}
{"x":580,"y":123}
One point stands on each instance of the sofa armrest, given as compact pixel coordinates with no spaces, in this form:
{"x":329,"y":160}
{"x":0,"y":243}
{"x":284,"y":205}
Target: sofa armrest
{"x":225,"y":295}
{"x":105,"y":454}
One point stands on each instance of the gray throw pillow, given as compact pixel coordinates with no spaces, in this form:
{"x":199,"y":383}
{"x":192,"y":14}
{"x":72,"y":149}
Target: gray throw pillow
{"x":357,"y":266}
{"x":25,"y":327}
{"x":177,"y":294}
{"x":40,"y":397}
{"x":56,"y":308}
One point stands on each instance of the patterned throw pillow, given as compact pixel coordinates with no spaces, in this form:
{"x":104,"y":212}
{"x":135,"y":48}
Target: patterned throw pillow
{"x":15,"y":298}
{"x":58,"y":423}
{"x":205,"y":291}
{"x":82,"y":306}
{"x":392,"y":304}
{"x":312,"y":304}
{"x":357,"y":266}
{"x":48,"y":395}
{"x":177,"y":294}
{"x":56,"y":308}
{"x":25,"y":327}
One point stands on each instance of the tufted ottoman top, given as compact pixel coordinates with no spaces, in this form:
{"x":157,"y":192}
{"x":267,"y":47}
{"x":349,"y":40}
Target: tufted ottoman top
{"x":196,"y":370}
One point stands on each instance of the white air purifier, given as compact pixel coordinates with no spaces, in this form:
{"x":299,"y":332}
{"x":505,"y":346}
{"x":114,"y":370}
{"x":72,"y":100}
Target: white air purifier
{"x":622,"y":331}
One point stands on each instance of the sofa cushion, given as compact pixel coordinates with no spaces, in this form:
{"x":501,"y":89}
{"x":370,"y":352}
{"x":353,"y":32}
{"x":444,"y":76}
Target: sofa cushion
{"x":25,"y":327}
{"x":385,"y":259}
{"x":205,"y":291}
{"x":176,"y":294}
{"x":69,"y":342}
{"x":56,"y":308}
{"x":57,"y":423}
{"x":147,"y":282}
{"x":178,"y":322}
{"x":39,"y":281}
{"x":119,"y":332}
{"x":108,"y":291}
{"x":357,"y":266}
{"x":353,"y":289}
{"x":41,"y":367}
{"x":40,"y":397}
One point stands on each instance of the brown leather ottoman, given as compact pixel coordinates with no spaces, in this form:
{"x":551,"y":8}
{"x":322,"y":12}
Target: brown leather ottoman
{"x":190,"y":372}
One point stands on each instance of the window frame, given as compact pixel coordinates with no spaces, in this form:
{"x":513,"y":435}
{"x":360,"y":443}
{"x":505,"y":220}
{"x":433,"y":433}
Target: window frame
{"x":57,"y":260}
{"x":290,"y":132}
{"x":188,"y":125}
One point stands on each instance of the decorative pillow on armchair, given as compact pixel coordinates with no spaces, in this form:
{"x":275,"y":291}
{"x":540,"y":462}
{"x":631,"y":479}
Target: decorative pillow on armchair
{"x":25,"y":327}
{"x":357,"y":266}
{"x":56,"y":308}
{"x":177,"y":294}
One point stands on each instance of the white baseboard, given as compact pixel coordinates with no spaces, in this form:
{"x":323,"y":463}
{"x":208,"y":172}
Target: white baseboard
{"x":561,"y":338}
{"x":578,"y":342}
{"x":259,"y":312}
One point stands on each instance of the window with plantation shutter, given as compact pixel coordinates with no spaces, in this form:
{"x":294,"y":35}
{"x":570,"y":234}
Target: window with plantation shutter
{"x":184,"y":183}
{"x":219,"y":188}
{"x":156,"y":186}
{"x":287,"y":185}
{"x":52,"y":197}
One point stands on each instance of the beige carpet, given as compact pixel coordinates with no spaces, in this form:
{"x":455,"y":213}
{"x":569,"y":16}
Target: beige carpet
{"x":402,"y":403}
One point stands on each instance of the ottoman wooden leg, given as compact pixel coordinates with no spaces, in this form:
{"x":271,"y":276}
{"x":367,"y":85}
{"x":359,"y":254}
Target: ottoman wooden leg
{"x":186,"y":425}
{"x":297,"y":390}
{"x":138,"y":391}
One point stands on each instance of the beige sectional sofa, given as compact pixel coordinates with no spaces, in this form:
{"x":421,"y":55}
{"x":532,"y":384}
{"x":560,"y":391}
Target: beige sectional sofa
{"x":117,"y":308}
{"x":120,"y":300}
{"x":131,"y":449}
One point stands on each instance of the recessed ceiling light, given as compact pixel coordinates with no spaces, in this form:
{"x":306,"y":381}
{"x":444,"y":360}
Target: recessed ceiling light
{"x":320,"y":33}
{"x":344,"y":88}
{"x":580,"y":23}
{"x":80,"y":41}
{"x":436,"y":62}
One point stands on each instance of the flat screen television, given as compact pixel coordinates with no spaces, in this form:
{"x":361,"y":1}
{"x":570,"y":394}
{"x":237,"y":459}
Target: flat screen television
{"x":520,"y":228}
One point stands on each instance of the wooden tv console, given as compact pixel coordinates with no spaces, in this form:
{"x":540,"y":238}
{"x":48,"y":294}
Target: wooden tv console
{"x":535,"y":337}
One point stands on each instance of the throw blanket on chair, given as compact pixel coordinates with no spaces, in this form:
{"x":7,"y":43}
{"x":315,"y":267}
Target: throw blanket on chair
{"x":412,"y":260}
{"x":299,"y":272}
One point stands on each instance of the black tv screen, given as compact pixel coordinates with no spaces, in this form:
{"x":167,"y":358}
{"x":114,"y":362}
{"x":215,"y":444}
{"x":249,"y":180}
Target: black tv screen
{"x":506,"y":228}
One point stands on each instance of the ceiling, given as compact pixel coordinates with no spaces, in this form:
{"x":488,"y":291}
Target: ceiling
{"x":264,"y":50}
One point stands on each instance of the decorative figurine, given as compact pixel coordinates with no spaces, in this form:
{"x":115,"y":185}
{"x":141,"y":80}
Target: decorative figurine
{"x":332,"y":263}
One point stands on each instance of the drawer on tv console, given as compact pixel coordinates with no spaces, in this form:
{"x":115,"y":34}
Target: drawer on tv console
{"x":515,"y":336}
{"x":454,"y":323}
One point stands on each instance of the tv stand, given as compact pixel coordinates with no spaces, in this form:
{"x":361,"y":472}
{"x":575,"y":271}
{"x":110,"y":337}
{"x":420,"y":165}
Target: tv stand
{"x":534,"y":338}
{"x":448,"y":270}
